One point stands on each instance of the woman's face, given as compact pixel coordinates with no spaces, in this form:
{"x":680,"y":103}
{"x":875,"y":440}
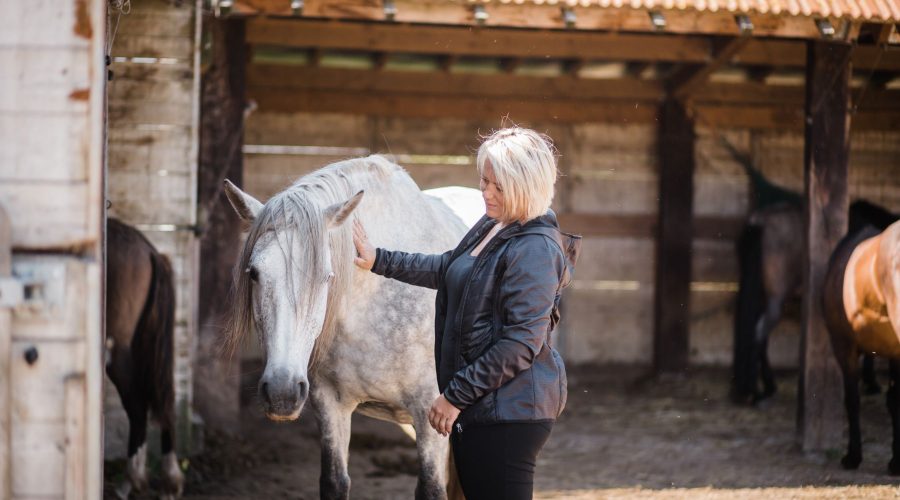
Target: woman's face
{"x":492,"y":192}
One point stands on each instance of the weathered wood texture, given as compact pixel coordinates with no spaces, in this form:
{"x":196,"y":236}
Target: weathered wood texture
{"x":51,"y":176}
{"x":608,"y":191}
{"x":287,"y":88}
{"x":671,"y":337}
{"x":546,"y":16}
{"x":5,"y":326}
{"x":47,"y":98}
{"x":825,"y":159}
{"x":217,"y":378}
{"x":152,"y":182}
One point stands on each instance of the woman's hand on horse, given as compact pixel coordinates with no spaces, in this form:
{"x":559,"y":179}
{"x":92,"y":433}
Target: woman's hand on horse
{"x":364,"y":250}
{"x":442,"y":415}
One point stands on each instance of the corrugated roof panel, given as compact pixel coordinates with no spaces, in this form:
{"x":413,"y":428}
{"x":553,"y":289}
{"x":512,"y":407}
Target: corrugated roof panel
{"x":862,"y":10}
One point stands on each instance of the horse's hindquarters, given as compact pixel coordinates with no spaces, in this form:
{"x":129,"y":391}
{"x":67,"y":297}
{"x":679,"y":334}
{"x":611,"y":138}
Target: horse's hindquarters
{"x":864,"y":301}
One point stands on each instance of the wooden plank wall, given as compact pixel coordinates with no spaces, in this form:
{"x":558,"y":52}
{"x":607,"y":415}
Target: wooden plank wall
{"x":609,"y":170}
{"x":153,"y":168}
{"x":51,"y":175}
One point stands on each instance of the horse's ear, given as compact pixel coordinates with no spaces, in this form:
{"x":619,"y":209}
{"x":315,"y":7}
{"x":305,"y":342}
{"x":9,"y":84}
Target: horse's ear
{"x":246,"y":206}
{"x":337,"y":214}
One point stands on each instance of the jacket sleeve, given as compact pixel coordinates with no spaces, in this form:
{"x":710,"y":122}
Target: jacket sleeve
{"x":526,"y":296}
{"x":417,"y":269}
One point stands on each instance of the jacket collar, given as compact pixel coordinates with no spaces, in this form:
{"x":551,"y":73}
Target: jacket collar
{"x":546,"y":221}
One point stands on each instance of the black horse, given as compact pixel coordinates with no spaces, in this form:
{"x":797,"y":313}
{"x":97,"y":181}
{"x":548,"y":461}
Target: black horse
{"x":140,"y":321}
{"x":770,"y":256}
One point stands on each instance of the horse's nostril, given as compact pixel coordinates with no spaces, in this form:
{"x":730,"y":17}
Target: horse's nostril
{"x":304,"y":388}
{"x":264,"y":391}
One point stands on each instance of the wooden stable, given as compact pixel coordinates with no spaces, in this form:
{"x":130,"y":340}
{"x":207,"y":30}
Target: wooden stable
{"x":52,"y":133}
{"x":638,"y":97}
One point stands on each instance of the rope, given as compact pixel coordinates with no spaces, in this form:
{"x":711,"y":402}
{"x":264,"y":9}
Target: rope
{"x":117,"y":7}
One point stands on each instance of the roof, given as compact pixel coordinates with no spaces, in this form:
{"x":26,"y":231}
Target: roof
{"x":862,"y":10}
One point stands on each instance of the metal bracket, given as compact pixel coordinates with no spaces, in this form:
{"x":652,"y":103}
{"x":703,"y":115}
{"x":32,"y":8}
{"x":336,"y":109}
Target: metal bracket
{"x":12,"y":292}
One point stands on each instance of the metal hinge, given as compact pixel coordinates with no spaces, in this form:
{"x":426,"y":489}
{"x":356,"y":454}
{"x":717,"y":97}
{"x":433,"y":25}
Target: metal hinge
{"x":12,"y":292}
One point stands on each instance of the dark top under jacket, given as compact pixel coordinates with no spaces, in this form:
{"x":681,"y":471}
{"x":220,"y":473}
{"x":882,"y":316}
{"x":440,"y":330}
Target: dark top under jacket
{"x":493,"y":355}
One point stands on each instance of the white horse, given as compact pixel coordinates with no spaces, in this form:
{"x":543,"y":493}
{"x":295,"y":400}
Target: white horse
{"x":349,"y":339}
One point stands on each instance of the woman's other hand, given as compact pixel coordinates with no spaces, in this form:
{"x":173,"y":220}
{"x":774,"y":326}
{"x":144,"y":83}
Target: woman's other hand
{"x":365,"y":258}
{"x":442,"y":415}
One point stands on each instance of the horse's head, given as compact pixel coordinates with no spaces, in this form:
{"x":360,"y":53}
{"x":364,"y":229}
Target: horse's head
{"x":282,"y":288}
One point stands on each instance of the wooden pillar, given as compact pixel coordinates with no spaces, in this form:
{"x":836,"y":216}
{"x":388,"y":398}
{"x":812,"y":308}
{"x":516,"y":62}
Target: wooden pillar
{"x":217,"y":379}
{"x":827,"y":145}
{"x":674,"y":235}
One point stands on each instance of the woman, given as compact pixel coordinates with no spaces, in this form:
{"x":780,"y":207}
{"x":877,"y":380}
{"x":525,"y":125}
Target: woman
{"x":502,"y":385}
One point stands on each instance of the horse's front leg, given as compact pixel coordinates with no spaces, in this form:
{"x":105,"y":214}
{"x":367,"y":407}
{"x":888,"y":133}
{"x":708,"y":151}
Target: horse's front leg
{"x":434,"y":450}
{"x":893,"y":404}
{"x":334,"y":427}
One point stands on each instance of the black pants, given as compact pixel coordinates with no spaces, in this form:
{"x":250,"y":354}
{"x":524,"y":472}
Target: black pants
{"x":497,"y":461}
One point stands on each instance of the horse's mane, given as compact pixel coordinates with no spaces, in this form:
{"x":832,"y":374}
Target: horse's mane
{"x":864,"y":213}
{"x":299,"y":210}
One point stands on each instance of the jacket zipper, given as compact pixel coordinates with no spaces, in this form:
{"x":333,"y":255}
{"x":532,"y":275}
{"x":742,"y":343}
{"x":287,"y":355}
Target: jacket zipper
{"x":479,"y":262}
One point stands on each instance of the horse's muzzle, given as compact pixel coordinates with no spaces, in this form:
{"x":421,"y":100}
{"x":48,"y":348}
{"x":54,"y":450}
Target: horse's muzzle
{"x":283,"y":395}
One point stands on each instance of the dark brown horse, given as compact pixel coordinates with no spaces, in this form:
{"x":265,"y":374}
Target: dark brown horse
{"x":140,"y":320}
{"x":861,"y":300}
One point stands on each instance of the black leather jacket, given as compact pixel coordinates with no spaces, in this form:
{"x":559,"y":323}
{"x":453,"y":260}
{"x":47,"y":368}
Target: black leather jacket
{"x":500,"y":368}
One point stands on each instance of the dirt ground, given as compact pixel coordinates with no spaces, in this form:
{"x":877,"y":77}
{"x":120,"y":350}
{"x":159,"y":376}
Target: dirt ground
{"x":623,"y":435}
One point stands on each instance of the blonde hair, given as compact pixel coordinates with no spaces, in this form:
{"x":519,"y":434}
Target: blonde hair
{"x":524,"y":164}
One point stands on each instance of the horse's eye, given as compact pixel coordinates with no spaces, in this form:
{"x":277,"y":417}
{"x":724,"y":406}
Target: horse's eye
{"x":254,"y":274}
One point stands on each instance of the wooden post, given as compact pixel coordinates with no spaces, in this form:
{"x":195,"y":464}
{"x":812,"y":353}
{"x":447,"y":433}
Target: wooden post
{"x":827,"y":146}
{"x":5,"y":341}
{"x":217,"y":380}
{"x":674,"y":236}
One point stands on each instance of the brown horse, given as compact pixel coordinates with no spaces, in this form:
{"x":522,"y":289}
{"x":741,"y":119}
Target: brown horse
{"x":861,"y":299}
{"x":140,"y":320}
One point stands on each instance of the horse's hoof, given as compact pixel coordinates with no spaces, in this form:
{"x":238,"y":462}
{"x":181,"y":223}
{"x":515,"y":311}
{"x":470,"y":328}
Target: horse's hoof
{"x":173,"y":478}
{"x":851,"y":462}
{"x":123,"y":490}
{"x":894,"y":467}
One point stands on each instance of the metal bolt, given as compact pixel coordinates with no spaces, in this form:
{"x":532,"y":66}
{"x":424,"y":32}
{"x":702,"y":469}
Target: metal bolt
{"x":31,"y":355}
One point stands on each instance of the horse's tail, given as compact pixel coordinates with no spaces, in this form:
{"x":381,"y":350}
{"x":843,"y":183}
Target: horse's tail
{"x":748,"y":309}
{"x":152,"y":348}
{"x":763,"y":191}
{"x":454,"y":487}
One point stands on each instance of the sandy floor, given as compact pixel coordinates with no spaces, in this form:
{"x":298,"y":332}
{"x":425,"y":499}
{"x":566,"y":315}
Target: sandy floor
{"x":622,"y":436}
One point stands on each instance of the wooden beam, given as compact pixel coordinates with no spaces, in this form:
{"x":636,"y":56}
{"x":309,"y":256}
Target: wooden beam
{"x":645,"y":226}
{"x":496,"y":42}
{"x":442,"y":40}
{"x":546,"y":16}
{"x":684,"y":83}
{"x":826,"y":157}
{"x":674,"y":238}
{"x":441,"y":106}
{"x":266,"y":77}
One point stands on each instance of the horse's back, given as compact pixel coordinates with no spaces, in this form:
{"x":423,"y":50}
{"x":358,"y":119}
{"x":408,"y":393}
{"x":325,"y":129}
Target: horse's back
{"x":129,"y":272}
{"x":464,"y":204}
